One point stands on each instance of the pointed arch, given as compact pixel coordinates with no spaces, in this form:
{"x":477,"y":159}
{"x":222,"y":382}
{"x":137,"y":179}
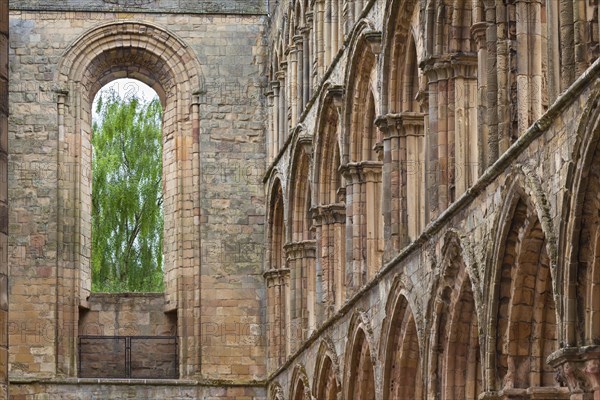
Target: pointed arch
{"x":399,"y":58}
{"x":329,"y":212}
{"x":522,"y":305}
{"x":362,"y":153}
{"x":359,"y":363}
{"x":582,"y":231}
{"x":327,"y":382}
{"x":300,"y":249}
{"x":277,"y":277}
{"x":400,"y":348}
{"x":455,"y":358}
{"x":300,"y":387}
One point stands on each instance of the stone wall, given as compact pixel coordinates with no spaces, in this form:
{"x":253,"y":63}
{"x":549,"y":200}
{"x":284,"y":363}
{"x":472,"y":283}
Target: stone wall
{"x":4,"y":199}
{"x":452,"y":117}
{"x":145,"y":6}
{"x":214,"y":245}
{"x":127,"y":314}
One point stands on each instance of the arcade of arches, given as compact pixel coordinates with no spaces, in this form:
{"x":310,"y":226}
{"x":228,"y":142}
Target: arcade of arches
{"x":364,"y":199}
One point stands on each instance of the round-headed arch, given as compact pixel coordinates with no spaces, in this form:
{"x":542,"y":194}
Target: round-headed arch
{"x":137,"y":50}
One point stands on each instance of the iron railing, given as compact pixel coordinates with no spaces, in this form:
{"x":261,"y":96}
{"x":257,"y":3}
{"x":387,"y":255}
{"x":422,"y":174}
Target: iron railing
{"x":132,"y":357}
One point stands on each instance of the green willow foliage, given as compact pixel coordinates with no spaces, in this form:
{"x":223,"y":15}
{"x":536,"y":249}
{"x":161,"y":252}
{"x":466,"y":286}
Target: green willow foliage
{"x":127,"y":212}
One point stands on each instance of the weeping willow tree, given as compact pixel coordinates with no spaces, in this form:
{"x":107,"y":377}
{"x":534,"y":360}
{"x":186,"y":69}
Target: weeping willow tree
{"x":127,"y":212}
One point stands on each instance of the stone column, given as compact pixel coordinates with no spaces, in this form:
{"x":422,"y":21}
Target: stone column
{"x":478,"y":31}
{"x":306,"y":57}
{"x":319,"y":29}
{"x":275,"y":135}
{"x":466,"y":140}
{"x":355,"y":262}
{"x":441,"y":121}
{"x":282,"y":113}
{"x":394,"y":184}
{"x":335,"y":17}
{"x":330,"y":235}
{"x":293,"y":84}
{"x":299,"y":45}
{"x":327,"y":40}
{"x":349,"y":14}
{"x":492,"y":82}
{"x":4,"y":202}
{"x":277,"y":282}
{"x":371,"y":172}
{"x":301,"y":263}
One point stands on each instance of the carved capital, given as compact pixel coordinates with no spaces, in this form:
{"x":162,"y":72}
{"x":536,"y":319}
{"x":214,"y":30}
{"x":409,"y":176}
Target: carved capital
{"x":302,"y":249}
{"x":401,"y":124}
{"x":578,"y":368}
{"x":277,"y":277}
{"x":360,"y":172}
{"x":329,"y":214}
{"x":478,"y":31}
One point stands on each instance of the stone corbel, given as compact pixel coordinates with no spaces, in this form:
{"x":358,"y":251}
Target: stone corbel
{"x":309,"y":17}
{"x":298,"y":41}
{"x":306,"y":142}
{"x":374,"y":39}
{"x":336,"y":92}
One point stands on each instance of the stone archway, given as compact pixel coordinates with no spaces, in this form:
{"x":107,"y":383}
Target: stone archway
{"x":158,"y":58}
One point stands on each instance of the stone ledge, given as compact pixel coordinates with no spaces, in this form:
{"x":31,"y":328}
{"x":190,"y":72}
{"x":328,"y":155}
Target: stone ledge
{"x":134,"y":382}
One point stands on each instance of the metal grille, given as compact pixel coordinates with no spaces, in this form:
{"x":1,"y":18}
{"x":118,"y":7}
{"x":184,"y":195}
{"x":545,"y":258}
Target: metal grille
{"x":135,"y":357}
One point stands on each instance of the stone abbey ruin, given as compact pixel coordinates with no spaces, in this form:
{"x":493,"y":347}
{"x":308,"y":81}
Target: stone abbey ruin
{"x":363,"y":200}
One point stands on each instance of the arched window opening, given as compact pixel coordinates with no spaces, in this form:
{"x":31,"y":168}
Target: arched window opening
{"x":127,"y":200}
